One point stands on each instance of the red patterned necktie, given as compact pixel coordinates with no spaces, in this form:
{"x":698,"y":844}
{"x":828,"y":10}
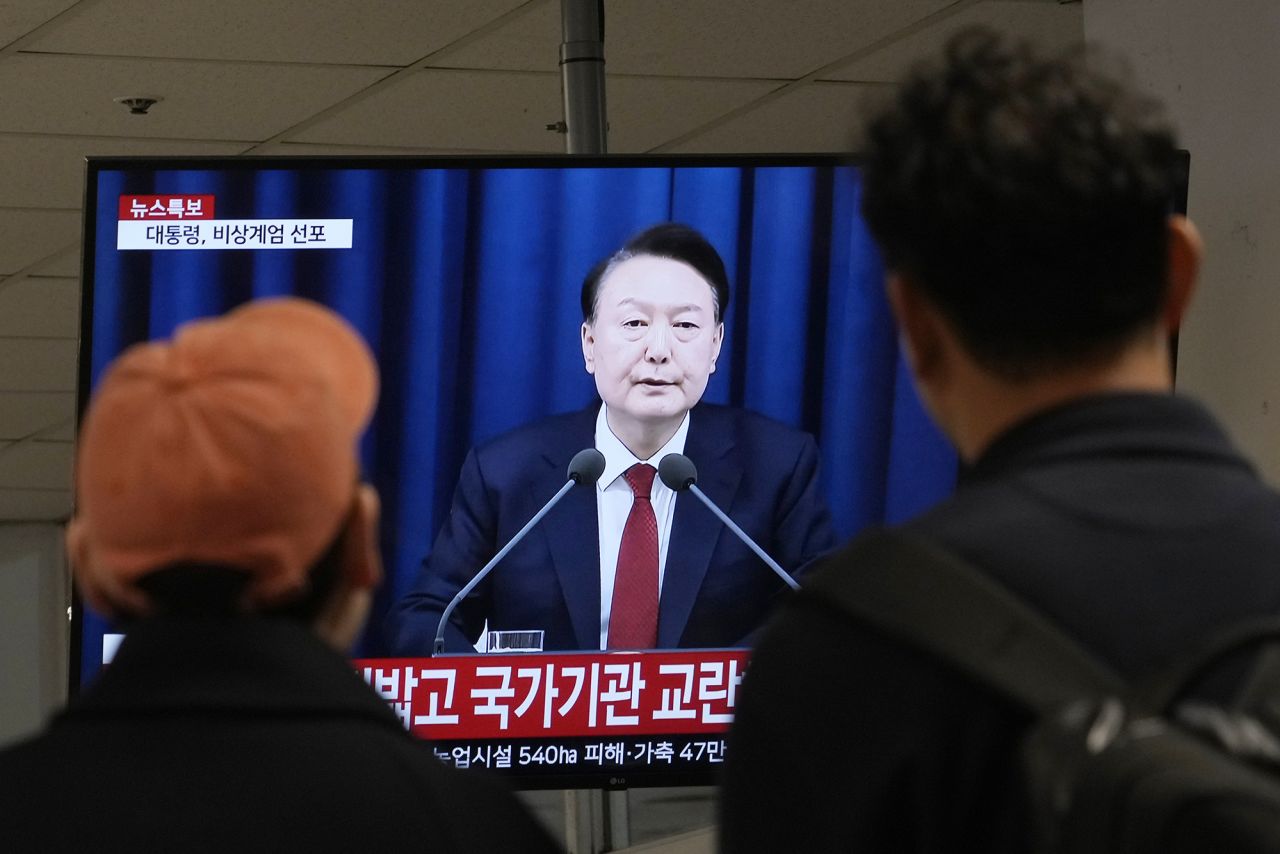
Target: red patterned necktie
{"x":633,"y":617}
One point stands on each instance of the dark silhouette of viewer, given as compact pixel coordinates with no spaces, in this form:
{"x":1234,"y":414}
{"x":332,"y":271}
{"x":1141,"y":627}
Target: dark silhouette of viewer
{"x":221,"y":521}
{"x":1036,"y":274}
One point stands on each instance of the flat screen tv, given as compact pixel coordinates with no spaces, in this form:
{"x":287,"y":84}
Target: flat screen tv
{"x":464,"y":275}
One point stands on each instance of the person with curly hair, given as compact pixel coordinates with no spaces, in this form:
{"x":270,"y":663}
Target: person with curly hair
{"x":1037,"y":277}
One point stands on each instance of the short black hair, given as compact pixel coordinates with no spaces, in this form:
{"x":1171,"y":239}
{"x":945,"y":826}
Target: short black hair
{"x":665,"y":240}
{"x":1027,"y":197}
{"x":192,"y":589}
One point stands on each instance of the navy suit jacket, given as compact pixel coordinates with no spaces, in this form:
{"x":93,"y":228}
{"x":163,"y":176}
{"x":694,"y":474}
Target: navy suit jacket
{"x":715,"y":591}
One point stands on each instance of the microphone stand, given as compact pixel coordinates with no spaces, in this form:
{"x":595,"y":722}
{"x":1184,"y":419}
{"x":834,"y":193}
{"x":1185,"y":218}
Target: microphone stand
{"x":584,"y":468}
{"x":742,"y":535}
{"x":479,"y":576}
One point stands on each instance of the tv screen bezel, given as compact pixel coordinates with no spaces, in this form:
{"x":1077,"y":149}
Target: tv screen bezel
{"x":255,"y":163}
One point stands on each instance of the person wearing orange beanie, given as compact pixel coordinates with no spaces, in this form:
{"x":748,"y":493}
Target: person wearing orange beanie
{"x":221,"y":522}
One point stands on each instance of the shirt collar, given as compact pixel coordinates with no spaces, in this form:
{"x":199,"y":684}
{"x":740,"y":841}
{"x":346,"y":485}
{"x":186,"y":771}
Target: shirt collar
{"x":618,"y":458}
{"x":1118,"y":424}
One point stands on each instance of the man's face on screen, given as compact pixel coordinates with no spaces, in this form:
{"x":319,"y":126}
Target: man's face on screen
{"x":654,"y":341}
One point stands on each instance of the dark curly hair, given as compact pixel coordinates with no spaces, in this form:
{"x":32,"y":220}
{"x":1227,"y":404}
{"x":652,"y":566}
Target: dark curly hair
{"x":665,"y":240}
{"x":1027,"y":197}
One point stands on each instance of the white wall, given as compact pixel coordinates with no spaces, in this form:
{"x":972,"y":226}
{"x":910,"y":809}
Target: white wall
{"x":33,"y":626}
{"x":1217,"y":66}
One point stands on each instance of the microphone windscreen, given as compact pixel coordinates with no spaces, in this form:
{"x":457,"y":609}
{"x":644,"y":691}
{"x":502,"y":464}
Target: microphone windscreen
{"x":678,"y":472}
{"x":586,"y":466}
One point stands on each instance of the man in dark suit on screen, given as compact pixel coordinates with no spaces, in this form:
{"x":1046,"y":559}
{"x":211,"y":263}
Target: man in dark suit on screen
{"x":628,"y":564}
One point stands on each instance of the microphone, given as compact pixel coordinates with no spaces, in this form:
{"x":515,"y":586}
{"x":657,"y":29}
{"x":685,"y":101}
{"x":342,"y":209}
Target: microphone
{"x":679,"y":473}
{"x":585,"y":468}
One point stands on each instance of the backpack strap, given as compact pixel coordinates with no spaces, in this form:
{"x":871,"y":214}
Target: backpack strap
{"x":1170,"y":683}
{"x":920,"y":594}
{"x":1260,"y":696}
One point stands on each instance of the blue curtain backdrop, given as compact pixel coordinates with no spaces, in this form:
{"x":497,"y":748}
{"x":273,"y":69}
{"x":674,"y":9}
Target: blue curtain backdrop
{"x":465,"y":281}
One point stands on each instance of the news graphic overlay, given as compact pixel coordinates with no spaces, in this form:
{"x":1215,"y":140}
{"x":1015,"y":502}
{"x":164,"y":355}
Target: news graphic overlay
{"x":188,"y":222}
{"x":624,"y":716}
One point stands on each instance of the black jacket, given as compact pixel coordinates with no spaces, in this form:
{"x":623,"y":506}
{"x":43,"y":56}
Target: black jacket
{"x":243,"y":734}
{"x":1129,"y":520}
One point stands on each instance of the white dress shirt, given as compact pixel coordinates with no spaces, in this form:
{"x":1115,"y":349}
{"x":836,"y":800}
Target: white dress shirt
{"x":613,"y":505}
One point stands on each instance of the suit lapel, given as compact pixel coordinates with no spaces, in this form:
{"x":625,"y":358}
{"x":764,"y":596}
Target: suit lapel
{"x":572,"y":532}
{"x":695,"y":530}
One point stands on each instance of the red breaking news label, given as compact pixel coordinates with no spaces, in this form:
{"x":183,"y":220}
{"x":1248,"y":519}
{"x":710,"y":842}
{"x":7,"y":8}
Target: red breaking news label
{"x":561,"y":694}
{"x":166,"y":207}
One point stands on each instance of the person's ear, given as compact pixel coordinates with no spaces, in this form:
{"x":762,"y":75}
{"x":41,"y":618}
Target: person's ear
{"x":102,"y":592}
{"x":588,"y":347}
{"x":343,"y":615}
{"x":1186,"y":249}
{"x":919,"y":327}
{"x":77,"y":544}
{"x":361,"y":547}
{"x":716,"y":342}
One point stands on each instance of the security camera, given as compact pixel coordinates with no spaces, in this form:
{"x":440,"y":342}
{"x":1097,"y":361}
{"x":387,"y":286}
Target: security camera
{"x":138,"y":104}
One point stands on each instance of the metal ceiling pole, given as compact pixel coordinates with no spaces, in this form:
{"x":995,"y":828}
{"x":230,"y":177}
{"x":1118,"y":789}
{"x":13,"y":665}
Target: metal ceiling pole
{"x":582,"y":76}
{"x":595,"y":821}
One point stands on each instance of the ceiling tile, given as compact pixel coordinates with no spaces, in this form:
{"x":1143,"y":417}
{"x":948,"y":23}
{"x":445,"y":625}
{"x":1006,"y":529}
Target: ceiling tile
{"x":451,"y":109}
{"x":65,"y":264}
{"x":28,"y":236}
{"x":816,"y":117}
{"x":40,"y":307}
{"x":709,"y":38}
{"x":41,"y":93}
{"x":1054,"y":26}
{"x":61,"y":431}
{"x":528,"y":41}
{"x":18,"y":19}
{"x":37,"y":364}
{"x":394,"y":32}
{"x":495,"y":111}
{"x":36,"y":465}
{"x":44,"y":505}
{"x":647,"y":111}
{"x":50,"y":169}
{"x":25,"y":414}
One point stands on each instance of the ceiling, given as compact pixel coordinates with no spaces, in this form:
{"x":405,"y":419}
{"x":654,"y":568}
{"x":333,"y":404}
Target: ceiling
{"x":314,"y":77}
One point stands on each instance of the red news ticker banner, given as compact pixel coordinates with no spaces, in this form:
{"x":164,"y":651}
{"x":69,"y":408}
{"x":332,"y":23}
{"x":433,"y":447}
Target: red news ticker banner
{"x":561,"y":694}
{"x":166,"y":207}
